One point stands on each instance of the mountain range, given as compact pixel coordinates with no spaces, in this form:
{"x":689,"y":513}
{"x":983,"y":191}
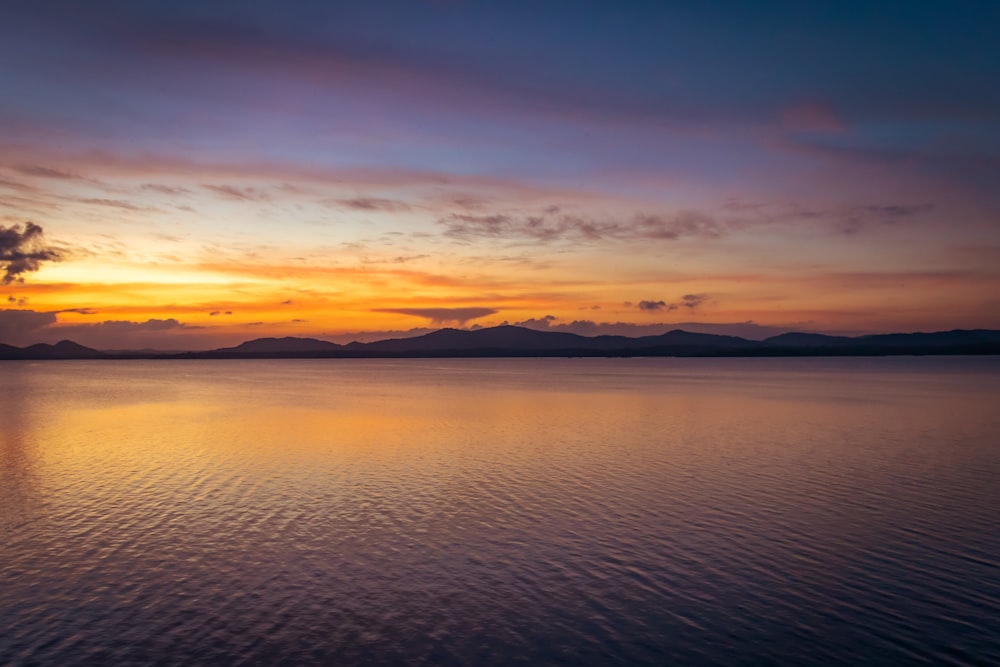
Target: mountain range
{"x":512,"y":341}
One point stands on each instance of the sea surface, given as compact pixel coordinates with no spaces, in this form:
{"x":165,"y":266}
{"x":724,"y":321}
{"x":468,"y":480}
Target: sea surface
{"x":501,"y":511}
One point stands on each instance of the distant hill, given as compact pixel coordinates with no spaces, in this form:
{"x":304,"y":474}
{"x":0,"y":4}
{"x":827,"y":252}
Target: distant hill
{"x":9,"y":352}
{"x":799,"y":340}
{"x":64,"y":349}
{"x":679,"y":338}
{"x":509,"y":340}
{"x":937,"y":339}
{"x":287,"y":345}
{"x":512,"y":341}
{"x":494,"y":338}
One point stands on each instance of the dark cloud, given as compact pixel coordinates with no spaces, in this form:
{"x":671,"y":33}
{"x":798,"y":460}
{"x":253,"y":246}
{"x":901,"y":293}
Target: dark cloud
{"x":15,"y":325}
{"x":79,"y":311}
{"x":655,"y":305}
{"x":236,"y":193}
{"x":692,"y":301}
{"x":408,"y":258}
{"x":537,"y":322}
{"x":373,"y":204}
{"x":22,"y":250}
{"x":126,"y":334}
{"x":551,"y":225}
{"x":441,"y":315}
{"x":44,"y":172}
{"x":689,"y":301}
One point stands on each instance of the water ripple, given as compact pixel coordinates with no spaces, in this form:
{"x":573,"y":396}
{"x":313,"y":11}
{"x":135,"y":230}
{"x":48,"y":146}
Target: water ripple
{"x":501,"y":512}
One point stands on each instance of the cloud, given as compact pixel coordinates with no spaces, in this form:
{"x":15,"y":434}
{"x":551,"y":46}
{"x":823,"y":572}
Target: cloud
{"x":236,"y":193}
{"x":441,"y":315}
{"x":113,"y":203}
{"x":373,"y":204}
{"x":859,"y":218}
{"x":692,"y":301}
{"x":17,"y":185}
{"x":655,"y":305}
{"x":689,"y":301}
{"x":552,"y":225}
{"x":22,"y":250}
{"x":16,"y":324}
{"x":126,"y":334}
{"x":537,"y":322}
{"x":164,"y":189}
{"x":128,"y":326}
{"x":403,"y":259}
{"x":79,"y":311}
{"x":44,"y":172}
{"x":744,"y":215}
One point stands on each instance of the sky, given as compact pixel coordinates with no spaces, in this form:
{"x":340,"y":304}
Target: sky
{"x":188,"y":175}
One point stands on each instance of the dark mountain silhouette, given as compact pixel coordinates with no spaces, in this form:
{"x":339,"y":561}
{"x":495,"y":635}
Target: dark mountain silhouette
{"x":939,"y":338}
{"x":511,"y":338}
{"x":512,"y":341}
{"x":677,"y":337}
{"x":281,"y":346}
{"x":795,"y":339}
{"x":64,"y":349}
{"x":494,"y":338}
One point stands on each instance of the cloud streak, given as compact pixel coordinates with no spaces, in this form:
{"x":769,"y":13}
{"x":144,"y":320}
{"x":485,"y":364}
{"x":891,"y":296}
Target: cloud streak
{"x":552,"y":225}
{"x":373,"y":204}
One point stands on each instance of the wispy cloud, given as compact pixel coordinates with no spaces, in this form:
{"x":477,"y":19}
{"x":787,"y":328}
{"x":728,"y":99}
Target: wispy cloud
{"x":172,"y":190}
{"x":113,"y":203}
{"x":44,"y":172}
{"x":237,"y":193}
{"x":373,"y":204}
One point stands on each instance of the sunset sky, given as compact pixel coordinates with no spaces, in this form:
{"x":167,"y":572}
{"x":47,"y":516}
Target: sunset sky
{"x":187,"y":175}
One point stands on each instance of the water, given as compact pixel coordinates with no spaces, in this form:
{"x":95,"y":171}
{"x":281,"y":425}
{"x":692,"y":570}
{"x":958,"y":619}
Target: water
{"x":572,"y":511}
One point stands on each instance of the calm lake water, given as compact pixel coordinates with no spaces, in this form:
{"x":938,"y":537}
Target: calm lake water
{"x":574,"y":511}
